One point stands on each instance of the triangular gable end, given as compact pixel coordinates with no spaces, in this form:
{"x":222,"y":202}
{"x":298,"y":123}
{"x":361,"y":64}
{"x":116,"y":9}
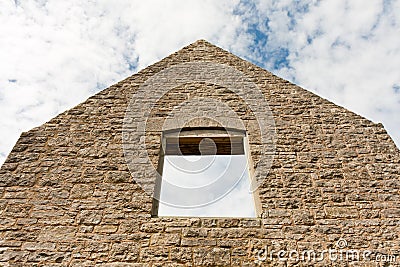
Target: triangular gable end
{"x":68,"y":189}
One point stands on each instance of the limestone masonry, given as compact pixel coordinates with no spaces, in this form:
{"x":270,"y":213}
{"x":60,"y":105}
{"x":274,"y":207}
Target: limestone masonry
{"x":68,"y":198}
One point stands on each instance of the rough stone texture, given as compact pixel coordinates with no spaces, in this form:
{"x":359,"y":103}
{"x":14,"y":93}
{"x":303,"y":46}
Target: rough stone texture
{"x":67,"y":197}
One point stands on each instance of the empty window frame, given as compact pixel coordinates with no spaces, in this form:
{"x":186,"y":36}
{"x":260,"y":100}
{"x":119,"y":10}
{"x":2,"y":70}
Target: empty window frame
{"x":205,"y":173}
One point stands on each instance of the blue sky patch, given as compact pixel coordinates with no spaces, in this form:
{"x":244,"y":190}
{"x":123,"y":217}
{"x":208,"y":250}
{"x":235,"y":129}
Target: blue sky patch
{"x":396,"y":88}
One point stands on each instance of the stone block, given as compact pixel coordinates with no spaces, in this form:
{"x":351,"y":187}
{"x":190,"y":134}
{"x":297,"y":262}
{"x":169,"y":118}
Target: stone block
{"x":106,"y":229}
{"x":341,"y":212}
{"x":211,"y":256}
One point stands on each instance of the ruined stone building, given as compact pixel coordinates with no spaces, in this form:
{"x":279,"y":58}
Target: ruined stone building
{"x":84,"y":188}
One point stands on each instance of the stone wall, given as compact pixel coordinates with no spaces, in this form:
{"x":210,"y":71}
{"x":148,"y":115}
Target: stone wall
{"x":67,"y":197}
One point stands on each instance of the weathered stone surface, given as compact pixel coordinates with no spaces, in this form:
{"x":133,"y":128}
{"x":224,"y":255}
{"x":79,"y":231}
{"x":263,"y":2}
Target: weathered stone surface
{"x":165,"y":239}
{"x":211,"y":256}
{"x":89,"y":217}
{"x":341,"y":212}
{"x":391,"y":213}
{"x":67,"y":197}
{"x":106,"y":228}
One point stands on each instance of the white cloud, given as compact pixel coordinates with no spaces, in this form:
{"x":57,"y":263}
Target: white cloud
{"x":60,"y":52}
{"x":57,"y":53}
{"x":346,"y":51}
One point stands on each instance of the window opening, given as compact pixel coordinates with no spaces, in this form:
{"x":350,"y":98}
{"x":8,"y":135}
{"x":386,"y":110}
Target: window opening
{"x":205,"y":173}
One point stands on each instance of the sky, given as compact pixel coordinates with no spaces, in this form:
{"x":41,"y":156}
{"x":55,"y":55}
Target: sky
{"x":55,"y":54}
{"x":206,"y":185}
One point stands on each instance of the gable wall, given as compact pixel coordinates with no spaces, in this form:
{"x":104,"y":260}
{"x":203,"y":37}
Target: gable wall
{"x":67,"y":197}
